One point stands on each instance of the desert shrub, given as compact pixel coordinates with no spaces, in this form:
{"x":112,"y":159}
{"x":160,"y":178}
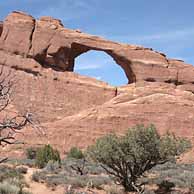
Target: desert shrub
{"x":19,"y":162}
{"x":28,"y":162}
{"x":92,"y":182}
{"x":80,"y":167}
{"x":38,"y":176}
{"x":166,"y":186}
{"x":6,"y":188}
{"x":31,"y":153}
{"x":181,"y":175}
{"x":98,"y":181}
{"x":149,"y":192}
{"x":75,"y":153}
{"x":45,"y":154}
{"x":77,"y":181}
{"x":128,"y":157}
{"x":22,"y":170}
{"x":89,"y":167}
{"x":179,"y":192}
{"x":94,"y":169}
{"x":114,"y":189}
{"x":52,"y":166}
{"x":8,"y":172}
{"x":13,"y":186}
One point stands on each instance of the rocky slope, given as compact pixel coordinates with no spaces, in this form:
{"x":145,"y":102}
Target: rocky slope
{"x":75,"y":109}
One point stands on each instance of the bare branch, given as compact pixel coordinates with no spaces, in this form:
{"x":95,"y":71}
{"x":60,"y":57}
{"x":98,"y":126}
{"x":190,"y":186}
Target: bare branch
{"x":10,"y":126}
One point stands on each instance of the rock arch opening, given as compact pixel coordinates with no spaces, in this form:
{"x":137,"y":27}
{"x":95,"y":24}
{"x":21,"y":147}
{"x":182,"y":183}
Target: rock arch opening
{"x":100,"y":65}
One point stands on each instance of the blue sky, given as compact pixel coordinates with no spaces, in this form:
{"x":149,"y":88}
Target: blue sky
{"x":164,"y":25}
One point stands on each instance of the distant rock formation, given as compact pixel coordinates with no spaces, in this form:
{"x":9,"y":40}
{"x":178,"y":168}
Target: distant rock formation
{"x":77,"y":109}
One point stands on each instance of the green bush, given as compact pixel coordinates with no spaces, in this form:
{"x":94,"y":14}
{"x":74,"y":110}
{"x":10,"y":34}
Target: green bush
{"x":6,"y":188}
{"x":45,"y":154}
{"x":13,"y":186}
{"x":38,"y":176}
{"x":52,"y":166}
{"x":18,"y":162}
{"x":166,"y":186}
{"x":31,"y":153}
{"x":75,"y":153}
{"x":7,"y":172}
{"x":126,"y":158}
{"x":22,"y":170}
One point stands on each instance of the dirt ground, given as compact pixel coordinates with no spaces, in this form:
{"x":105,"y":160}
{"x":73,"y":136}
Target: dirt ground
{"x":40,"y":188}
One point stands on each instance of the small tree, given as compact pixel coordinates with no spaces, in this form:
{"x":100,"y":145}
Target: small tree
{"x":31,"y":153}
{"x":79,"y":160}
{"x":128,"y":157}
{"x":75,"y":153}
{"x":46,"y":154}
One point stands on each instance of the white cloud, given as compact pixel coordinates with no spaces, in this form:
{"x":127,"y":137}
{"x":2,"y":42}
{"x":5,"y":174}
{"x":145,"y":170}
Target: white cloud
{"x":92,"y":60}
{"x":99,"y":77}
{"x":87,"y":67}
{"x":163,"y":36}
{"x":170,"y":35}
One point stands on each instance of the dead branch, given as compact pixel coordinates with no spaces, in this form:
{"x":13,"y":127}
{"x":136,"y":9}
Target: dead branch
{"x":10,"y":126}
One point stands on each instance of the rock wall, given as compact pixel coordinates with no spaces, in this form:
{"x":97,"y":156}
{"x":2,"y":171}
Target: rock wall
{"x":55,"y":95}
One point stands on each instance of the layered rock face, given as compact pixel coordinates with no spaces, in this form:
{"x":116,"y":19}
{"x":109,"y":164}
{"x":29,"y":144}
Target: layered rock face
{"x":74,"y":109}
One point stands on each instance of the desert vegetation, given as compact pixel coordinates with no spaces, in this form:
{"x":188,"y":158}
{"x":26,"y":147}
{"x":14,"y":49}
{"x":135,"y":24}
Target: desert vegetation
{"x":12,"y":180}
{"x":128,"y":157}
{"x":139,"y":161}
{"x":47,"y":154}
{"x":166,"y":178}
{"x":113,"y":160}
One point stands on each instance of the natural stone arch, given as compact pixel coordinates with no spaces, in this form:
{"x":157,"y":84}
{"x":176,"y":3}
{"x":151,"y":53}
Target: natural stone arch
{"x":101,"y":66}
{"x":65,"y":59}
{"x":29,"y":44}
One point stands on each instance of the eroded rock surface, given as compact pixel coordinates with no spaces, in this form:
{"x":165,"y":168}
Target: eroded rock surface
{"x":161,"y":104}
{"x":76,"y":110}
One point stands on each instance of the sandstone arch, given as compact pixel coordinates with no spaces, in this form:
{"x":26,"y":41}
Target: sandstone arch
{"x":29,"y":44}
{"x":100,"y":65}
{"x":78,"y":49}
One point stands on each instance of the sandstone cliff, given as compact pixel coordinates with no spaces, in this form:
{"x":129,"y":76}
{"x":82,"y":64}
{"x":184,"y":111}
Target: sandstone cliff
{"x":77,"y":109}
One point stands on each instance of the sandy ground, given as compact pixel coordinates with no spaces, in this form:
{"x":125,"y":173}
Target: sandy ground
{"x":40,"y":188}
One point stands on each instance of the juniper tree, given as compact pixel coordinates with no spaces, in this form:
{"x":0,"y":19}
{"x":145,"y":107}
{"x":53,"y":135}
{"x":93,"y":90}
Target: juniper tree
{"x":126,"y":158}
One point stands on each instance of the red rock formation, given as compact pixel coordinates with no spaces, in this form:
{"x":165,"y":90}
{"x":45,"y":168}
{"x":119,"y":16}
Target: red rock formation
{"x":76,"y":109}
{"x":50,"y":44}
{"x":1,"y":27}
{"x":161,"y":104}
